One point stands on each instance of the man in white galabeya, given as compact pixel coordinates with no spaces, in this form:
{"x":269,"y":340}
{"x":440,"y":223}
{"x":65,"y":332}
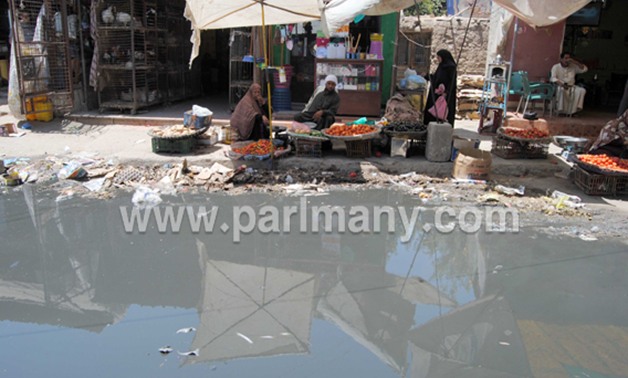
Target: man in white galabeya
{"x":569,"y":97}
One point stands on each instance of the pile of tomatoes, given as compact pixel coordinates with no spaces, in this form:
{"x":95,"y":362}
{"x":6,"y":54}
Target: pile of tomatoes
{"x":259,"y":148}
{"x":350,"y":130}
{"x":610,"y":163}
{"x":526,"y":133}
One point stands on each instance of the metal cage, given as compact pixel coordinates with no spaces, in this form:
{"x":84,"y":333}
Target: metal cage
{"x":42,"y":51}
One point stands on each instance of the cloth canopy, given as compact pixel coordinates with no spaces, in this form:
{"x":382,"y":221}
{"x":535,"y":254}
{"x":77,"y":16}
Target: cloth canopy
{"x":536,"y":13}
{"x":539,"y":13}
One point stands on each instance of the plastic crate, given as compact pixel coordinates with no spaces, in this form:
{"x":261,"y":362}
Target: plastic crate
{"x":594,"y":184}
{"x":308,"y":148}
{"x":173,"y":146}
{"x":511,"y":149}
{"x":358,"y":148}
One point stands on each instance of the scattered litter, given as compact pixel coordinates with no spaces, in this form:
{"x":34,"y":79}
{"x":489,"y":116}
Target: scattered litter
{"x":145,"y":197}
{"x":248,"y":340}
{"x":186,"y":330}
{"x":95,"y":185}
{"x":72,"y":170}
{"x":165,"y":186}
{"x":189,"y":353}
{"x":510,"y":191}
{"x":267,"y":337}
{"x":289,"y":179}
{"x":595,"y":229}
{"x":285,"y":334}
{"x":468,"y":181}
{"x":213,"y":367}
{"x":566,"y":200}
{"x":165,"y":350}
{"x":504,"y":343}
{"x":140,"y":141}
{"x":15,"y":264}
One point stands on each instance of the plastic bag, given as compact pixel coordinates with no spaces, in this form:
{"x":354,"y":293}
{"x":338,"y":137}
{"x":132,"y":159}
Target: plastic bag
{"x":440,"y":110}
{"x":200,"y":111}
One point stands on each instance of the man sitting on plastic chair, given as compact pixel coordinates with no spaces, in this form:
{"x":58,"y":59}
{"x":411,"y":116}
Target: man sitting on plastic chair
{"x":569,"y":97}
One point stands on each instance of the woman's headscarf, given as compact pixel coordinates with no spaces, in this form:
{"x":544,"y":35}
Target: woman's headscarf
{"x":243,"y":117}
{"x":616,"y":129}
{"x":446,"y":58}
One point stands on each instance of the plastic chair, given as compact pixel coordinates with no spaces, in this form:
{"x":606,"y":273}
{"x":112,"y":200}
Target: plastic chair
{"x":516,"y":86}
{"x":538,"y":91}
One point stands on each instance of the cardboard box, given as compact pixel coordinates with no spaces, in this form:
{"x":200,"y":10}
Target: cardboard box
{"x":473,"y":164}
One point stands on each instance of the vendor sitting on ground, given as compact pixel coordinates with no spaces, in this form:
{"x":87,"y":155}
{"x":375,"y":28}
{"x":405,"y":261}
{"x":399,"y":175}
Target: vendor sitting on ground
{"x":613,"y":138}
{"x":250,"y":117}
{"x":322,"y":106}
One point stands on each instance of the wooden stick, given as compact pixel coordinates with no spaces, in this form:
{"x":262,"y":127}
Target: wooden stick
{"x":357,"y":42}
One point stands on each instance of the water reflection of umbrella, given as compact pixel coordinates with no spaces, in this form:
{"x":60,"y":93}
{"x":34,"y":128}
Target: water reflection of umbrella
{"x":480,"y":339}
{"x":253,"y":311}
{"x":377,"y":310}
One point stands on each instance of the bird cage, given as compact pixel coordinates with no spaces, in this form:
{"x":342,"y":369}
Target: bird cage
{"x":241,"y":64}
{"x":127,"y":37}
{"x":42,"y":54}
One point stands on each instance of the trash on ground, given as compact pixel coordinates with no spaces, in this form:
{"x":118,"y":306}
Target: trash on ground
{"x":95,"y":185}
{"x":72,"y":170}
{"x":510,"y":191}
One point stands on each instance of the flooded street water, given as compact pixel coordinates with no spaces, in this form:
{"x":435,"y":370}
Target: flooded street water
{"x":84,"y":291}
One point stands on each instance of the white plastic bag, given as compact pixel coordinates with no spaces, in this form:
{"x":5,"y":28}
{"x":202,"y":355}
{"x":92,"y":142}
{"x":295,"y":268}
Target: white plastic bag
{"x":200,"y":111}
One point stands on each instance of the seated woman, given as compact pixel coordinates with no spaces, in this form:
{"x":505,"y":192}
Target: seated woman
{"x":250,"y":117}
{"x":613,"y":137}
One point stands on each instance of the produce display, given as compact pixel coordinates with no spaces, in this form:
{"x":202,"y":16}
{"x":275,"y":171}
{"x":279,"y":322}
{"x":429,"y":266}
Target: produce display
{"x":525,"y":133}
{"x":405,"y":126}
{"x":605,"y":162}
{"x":173,"y":132}
{"x":345,"y":131}
{"x":259,"y":148}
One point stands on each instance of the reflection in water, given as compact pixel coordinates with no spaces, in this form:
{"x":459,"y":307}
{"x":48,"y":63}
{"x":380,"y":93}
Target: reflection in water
{"x":438,"y":306}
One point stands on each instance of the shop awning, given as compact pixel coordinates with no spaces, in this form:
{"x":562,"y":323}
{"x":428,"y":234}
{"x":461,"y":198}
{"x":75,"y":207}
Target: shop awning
{"x":539,"y":13}
{"x":222,"y":14}
{"x":337,"y":13}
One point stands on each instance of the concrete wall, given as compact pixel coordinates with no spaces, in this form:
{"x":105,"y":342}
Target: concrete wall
{"x":536,"y":50}
{"x":448,"y":33}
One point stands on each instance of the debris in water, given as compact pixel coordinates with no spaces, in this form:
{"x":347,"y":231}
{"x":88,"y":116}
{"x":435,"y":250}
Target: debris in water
{"x":245,"y":338}
{"x":587,"y":237}
{"x":186,"y":330}
{"x":165,"y":350}
{"x":189,"y":353}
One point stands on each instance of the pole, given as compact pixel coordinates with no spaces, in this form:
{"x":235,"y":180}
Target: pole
{"x":270,"y":108}
{"x":512,"y":60}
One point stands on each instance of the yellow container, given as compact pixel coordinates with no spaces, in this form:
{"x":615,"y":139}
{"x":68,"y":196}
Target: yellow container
{"x":39,"y":109}
{"x":4,"y":69}
{"x":377,"y":37}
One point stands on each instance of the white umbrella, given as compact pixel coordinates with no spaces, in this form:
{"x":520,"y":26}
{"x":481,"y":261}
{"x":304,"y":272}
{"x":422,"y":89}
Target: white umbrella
{"x":223,"y":14}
